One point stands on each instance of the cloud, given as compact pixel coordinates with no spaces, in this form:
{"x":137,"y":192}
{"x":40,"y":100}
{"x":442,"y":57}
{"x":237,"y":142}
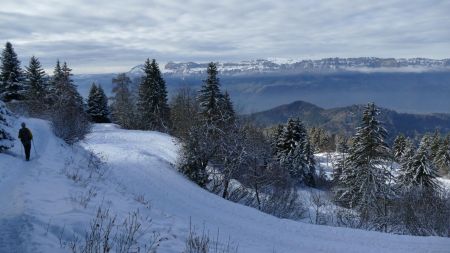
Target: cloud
{"x":105,"y":35}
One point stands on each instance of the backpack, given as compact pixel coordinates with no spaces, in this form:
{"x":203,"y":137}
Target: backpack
{"x":25,"y":135}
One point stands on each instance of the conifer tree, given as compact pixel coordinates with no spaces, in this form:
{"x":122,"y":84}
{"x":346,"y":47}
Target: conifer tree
{"x":97,"y":106}
{"x":11,"y":77}
{"x":6,"y":137}
{"x":37,"y":92}
{"x":435,"y":144}
{"x":295,"y":152}
{"x":69,"y":120}
{"x":342,"y":148}
{"x":123,"y":109}
{"x":275,"y":141}
{"x":228,"y":113}
{"x":36,"y":81}
{"x":399,"y":146}
{"x":55,"y":80}
{"x":294,"y":133}
{"x":210,"y":97}
{"x":152,"y":104}
{"x":195,"y":156}
{"x":442,"y":159}
{"x":419,"y":171}
{"x":362,"y":182}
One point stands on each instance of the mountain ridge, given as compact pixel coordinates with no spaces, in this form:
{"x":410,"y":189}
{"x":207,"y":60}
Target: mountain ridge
{"x":325,"y":65}
{"x":345,"y":119}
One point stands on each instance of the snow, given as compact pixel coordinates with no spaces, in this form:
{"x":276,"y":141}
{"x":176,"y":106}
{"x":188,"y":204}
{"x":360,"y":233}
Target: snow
{"x":37,"y":204}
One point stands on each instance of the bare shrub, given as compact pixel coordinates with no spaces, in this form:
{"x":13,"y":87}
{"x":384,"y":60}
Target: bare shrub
{"x":140,"y":198}
{"x":202,"y":243}
{"x":348,"y":218}
{"x":96,"y":165}
{"x":105,"y":235}
{"x":284,"y":203}
{"x":420,"y":212}
{"x":87,"y":170}
{"x":73,"y":173}
{"x":84,"y":198}
{"x":70,"y":124}
{"x":319,"y":203}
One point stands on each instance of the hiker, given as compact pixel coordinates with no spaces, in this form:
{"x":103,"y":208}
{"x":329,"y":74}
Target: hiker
{"x":26,"y":136}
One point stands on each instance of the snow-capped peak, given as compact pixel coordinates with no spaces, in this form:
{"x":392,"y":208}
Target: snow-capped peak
{"x":326,"y":65}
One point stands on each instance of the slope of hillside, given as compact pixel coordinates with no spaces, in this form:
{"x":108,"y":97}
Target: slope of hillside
{"x":40,"y":201}
{"x":345,"y":119}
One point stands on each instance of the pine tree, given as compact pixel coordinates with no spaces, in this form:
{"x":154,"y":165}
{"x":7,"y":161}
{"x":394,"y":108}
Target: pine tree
{"x":35,"y":78}
{"x":210,"y":97}
{"x":275,"y":140}
{"x":294,"y":151}
{"x":55,"y":81}
{"x":362,"y":182}
{"x":301,"y":164}
{"x":37,"y":86}
{"x":11,"y":86}
{"x":435,"y":144}
{"x":419,"y":170}
{"x":69,"y":120}
{"x":152,"y":107}
{"x":97,"y":106}
{"x":228,"y":113}
{"x":442,"y":159}
{"x":294,"y":133}
{"x":399,"y":146}
{"x":6,"y":138}
{"x":342,"y":148}
{"x":195,"y":156}
{"x":123,"y":109}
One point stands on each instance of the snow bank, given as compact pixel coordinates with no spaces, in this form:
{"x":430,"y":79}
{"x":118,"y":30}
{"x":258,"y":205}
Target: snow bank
{"x":39,"y":201}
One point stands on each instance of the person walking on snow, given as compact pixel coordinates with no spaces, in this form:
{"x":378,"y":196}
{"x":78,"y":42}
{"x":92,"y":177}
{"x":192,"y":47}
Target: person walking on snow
{"x":25,"y":137}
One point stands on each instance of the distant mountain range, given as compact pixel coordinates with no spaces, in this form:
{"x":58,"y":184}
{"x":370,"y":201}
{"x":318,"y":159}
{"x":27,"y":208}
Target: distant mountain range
{"x":345,"y":119}
{"x":414,"y":85}
{"x":288,"y":66}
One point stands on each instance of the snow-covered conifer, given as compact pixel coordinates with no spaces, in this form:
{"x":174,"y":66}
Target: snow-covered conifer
{"x":6,"y":138}
{"x":363,"y":179}
{"x":152,"y":107}
{"x":97,"y":106}
{"x":442,"y":159}
{"x":210,"y":97}
{"x":11,"y":76}
{"x":36,"y":82}
{"x":419,"y":171}
{"x":399,"y":146}
{"x":69,"y":121}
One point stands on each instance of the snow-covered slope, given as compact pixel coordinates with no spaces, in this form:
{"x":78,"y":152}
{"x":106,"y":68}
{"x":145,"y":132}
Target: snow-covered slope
{"x":38,"y":200}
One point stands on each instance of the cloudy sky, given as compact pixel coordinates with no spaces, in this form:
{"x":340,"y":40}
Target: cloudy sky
{"x":96,"y":36}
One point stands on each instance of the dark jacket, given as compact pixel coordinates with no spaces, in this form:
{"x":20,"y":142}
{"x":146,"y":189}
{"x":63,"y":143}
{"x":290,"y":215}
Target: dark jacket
{"x":25,"y":135}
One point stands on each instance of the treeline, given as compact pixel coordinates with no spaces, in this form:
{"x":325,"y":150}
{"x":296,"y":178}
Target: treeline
{"x":57,"y":99}
{"x":407,"y":198}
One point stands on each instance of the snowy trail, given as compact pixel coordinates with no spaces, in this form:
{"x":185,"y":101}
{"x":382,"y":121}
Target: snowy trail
{"x":14,"y":174}
{"x":142,"y":163}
